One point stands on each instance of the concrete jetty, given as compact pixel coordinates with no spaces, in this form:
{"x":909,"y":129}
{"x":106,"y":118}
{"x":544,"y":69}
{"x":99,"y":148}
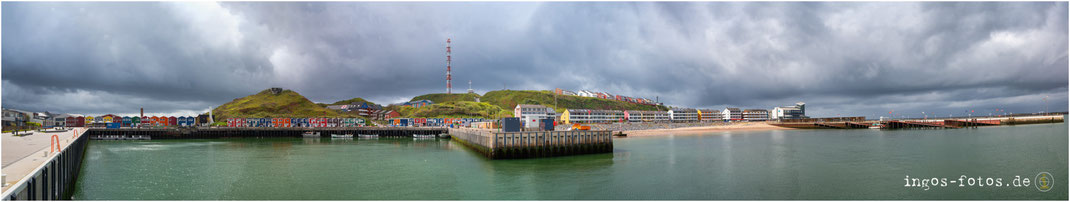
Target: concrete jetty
{"x":934,"y":123}
{"x":42,"y":166}
{"x":239,"y":132}
{"x":533,"y":144}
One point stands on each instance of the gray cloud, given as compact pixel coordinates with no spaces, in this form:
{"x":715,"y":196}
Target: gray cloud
{"x":840,"y":58}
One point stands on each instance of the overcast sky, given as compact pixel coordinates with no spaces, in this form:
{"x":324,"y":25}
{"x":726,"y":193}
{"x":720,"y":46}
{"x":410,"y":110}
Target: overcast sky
{"x":841,"y":59}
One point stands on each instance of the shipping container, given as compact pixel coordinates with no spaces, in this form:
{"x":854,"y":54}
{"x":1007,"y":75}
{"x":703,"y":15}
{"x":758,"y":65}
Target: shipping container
{"x":546,"y":124}
{"x":113,"y":125}
{"x":511,"y":124}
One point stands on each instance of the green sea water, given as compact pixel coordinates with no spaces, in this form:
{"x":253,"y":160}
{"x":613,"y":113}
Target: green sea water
{"x":781,"y":164}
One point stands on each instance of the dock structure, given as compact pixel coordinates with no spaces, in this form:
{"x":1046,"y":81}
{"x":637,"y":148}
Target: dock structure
{"x":914,"y":125}
{"x":533,"y":144}
{"x":962,"y":122}
{"x":825,"y":125}
{"x":239,"y":132}
{"x":51,"y":177}
{"x":971,"y":123}
{"x":842,"y":125}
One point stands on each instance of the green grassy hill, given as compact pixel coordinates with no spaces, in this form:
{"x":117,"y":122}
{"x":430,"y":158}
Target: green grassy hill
{"x":267,"y":105}
{"x":493,"y":104}
{"x":442,"y":97}
{"x":508,"y":99}
{"x":456,"y":109}
{"x":354,"y":100}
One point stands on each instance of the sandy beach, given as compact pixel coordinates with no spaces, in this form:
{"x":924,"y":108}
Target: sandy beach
{"x":704,"y":129}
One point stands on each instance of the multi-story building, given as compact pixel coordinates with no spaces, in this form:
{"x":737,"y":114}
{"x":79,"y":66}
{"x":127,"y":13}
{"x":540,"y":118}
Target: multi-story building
{"x":368,"y":109}
{"x":709,"y":115}
{"x":586,"y":93}
{"x":14,"y":117}
{"x":530,"y":114}
{"x":755,"y":114}
{"x":683,"y":115}
{"x":646,"y":116}
{"x":60,"y":120}
{"x":732,"y":114}
{"x":591,"y":116}
{"x":385,"y":114}
{"x":791,"y":112}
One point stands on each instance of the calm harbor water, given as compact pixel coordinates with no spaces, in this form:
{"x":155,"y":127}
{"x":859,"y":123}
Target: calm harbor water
{"x":785,"y":164}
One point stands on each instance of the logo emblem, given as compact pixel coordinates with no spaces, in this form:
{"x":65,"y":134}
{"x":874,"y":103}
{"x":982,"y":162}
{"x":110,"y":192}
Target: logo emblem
{"x":1044,"y":181}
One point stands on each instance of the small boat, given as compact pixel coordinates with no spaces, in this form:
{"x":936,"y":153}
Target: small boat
{"x":341,"y":136}
{"x":368,"y":136}
{"x":422,"y":136}
{"x":310,"y":134}
{"x":875,"y":126}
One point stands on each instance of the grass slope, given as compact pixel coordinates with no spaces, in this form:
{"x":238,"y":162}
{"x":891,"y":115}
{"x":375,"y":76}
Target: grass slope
{"x":457,"y":109}
{"x":442,"y":97}
{"x":287,"y":104}
{"x":354,"y":100}
{"x":508,"y":99}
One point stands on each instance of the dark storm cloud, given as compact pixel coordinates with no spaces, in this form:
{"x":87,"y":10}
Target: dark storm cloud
{"x":840,"y":58}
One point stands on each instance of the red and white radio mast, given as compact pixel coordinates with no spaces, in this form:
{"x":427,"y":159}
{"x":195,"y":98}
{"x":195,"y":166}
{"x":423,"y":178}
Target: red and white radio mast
{"x":449,"y":78}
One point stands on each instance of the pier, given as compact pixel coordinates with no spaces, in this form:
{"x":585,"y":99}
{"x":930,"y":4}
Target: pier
{"x":241,"y":132}
{"x":924,"y":123}
{"x":44,"y":174}
{"x":533,"y":144}
{"x":914,"y":125}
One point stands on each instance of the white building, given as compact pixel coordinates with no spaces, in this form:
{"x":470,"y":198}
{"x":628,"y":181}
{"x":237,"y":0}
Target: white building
{"x":733,"y":114}
{"x":586,"y":93}
{"x":791,"y":112}
{"x":530,"y":114}
{"x":683,"y":115}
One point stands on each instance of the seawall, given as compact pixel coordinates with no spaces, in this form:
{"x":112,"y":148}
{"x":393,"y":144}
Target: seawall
{"x":54,"y":179}
{"x":533,"y":144}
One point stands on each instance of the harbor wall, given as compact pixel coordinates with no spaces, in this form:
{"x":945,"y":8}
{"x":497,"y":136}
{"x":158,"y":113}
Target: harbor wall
{"x":55,"y":178}
{"x":1032,"y":120}
{"x":533,"y":144}
{"x":927,"y":123}
{"x":210,"y":133}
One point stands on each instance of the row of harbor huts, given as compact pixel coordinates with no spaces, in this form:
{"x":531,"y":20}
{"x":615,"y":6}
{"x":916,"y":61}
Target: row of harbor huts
{"x":295,"y":122}
{"x":435,"y":122}
{"x":533,"y":113}
{"x":114,"y":121}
